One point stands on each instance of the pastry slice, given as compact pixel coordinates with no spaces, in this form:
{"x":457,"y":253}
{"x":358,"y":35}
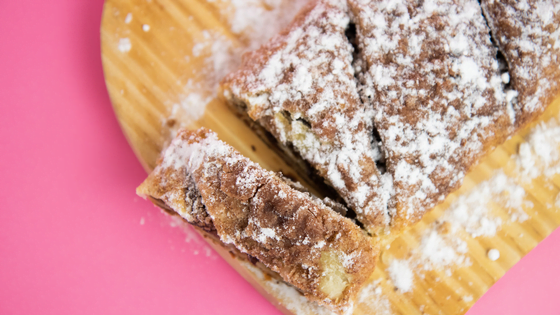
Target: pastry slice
{"x":528,"y":35}
{"x":261,"y":214}
{"x":300,"y":87}
{"x":429,"y":72}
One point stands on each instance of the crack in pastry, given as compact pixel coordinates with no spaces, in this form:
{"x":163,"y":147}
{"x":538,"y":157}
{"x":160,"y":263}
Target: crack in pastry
{"x":312,"y":247}
{"x":528,"y":35}
{"x":433,"y":100}
{"x":301,"y":88}
{"x":430,"y":74}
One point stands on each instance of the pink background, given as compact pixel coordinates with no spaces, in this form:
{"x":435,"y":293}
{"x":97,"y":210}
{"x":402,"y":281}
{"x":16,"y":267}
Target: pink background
{"x":71,"y":238}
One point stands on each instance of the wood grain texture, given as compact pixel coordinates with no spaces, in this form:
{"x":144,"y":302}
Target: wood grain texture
{"x":146,"y":82}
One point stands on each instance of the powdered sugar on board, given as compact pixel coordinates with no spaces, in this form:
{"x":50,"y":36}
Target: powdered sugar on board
{"x":441,"y":251}
{"x":372,"y":299}
{"x":473,"y":212}
{"x":124,"y":45}
{"x":256,"y":21}
{"x":481,"y":212}
{"x":540,"y":155}
{"x":216,"y":55}
{"x":401,"y":275}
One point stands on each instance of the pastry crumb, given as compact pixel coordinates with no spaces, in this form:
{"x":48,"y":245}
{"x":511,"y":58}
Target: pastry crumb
{"x":124,"y":45}
{"x":493,"y":254}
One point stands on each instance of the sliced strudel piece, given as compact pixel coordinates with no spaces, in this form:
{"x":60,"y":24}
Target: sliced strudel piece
{"x":528,"y":34}
{"x":430,"y":73}
{"x":301,"y":88}
{"x":324,"y":255}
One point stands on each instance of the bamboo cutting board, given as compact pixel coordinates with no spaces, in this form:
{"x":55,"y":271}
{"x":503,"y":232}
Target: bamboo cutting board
{"x":154,"y":67}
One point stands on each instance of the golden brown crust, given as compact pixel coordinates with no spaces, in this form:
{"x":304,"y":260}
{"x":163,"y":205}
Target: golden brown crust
{"x":256,"y":211}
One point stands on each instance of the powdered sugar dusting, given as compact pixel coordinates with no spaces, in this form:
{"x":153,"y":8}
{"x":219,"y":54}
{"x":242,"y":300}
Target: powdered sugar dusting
{"x":124,"y":45}
{"x":371,"y":297}
{"x":301,"y":86}
{"x":540,"y":155}
{"x":527,"y":33}
{"x":219,"y":56}
{"x":401,"y":275}
{"x":193,"y":103}
{"x":254,"y":21}
{"x":442,"y":250}
{"x":442,"y":245}
{"x":473,"y":211}
{"x":128,"y":18}
{"x":474,"y":214}
{"x":190,"y":156}
{"x":430,"y":136}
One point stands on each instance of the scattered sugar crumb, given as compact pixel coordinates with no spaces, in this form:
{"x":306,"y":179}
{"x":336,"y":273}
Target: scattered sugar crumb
{"x":124,"y":45}
{"x":473,"y":211}
{"x":540,"y":155}
{"x":219,"y":58}
{"x":467,"y":298}
{"x":128,"y":18}
{"x":142,"y":221}
{"x":372,"y":299}
{"x":401,"y":275}
{"x":256,"y":21}
{"x":505,"y":78}
{"x":145,"y":27}
{"x":442,"y":247}
{"x":442,"y":251}
{"x":557,"y":203}
{"x":192,"y":237}
{"x":190,"y":234}
{"x":493,"y":254}
{"x":193,"y":103}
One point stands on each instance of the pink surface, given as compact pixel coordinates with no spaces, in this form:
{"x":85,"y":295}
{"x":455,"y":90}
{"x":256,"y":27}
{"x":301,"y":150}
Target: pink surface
{"x":71,"y":238}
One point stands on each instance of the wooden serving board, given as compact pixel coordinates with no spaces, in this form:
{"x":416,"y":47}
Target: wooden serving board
{"x":151,"y":70}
